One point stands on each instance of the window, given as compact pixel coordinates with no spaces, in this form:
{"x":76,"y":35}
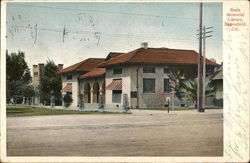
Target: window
{"x":166,"y":85}
{"x":148,"y":70}
{"x":148,"y":85}
{"x":133,"y":94}
{"x":116,"y":96}
{"x":69,"y":77}
{"x":35,"y":74}
{"x":117,"y":71}
{"x":166,"y":70}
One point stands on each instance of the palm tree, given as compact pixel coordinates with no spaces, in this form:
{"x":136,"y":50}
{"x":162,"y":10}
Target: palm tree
{"x":187,"y":90}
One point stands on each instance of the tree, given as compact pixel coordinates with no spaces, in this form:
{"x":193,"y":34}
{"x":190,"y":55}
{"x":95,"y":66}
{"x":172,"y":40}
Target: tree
{"x":28,"y":92}
{"x":177,"y":74}
{"x":51,"y":81}
{"x":184,"y":82}
{"x":17,"y":76}
{"x":188,"y":89}
{"x":67,"y":99}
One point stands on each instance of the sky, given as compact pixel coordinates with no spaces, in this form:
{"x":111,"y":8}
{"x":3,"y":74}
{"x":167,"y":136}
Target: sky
{"x":69,"y":32}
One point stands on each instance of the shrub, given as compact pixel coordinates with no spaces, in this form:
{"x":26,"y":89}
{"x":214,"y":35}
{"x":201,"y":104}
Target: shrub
{"x":67,"y":99}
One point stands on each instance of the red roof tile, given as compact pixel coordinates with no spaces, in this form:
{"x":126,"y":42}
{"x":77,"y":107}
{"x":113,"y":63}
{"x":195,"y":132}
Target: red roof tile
{"x":67,"y":88}
{"x":94,"y":73}
{"x":115,"y":85}
{"x":85,"y":65}
{"x":113,"y":55}
{"x":157,"y":55}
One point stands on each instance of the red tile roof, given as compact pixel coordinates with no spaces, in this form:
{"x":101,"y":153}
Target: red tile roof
{"x":94,"y":73}
{"x":157,"y":55}
{"x":115,"y":85}
{"x":85,"y":65}
{"x":113,"y":55}
{"x":67,"y":88}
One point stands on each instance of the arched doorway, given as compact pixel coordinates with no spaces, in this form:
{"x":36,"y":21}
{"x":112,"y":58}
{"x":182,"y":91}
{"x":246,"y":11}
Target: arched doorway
{"x":87,"y":98}
{"x":96,"y":92}
{"x":103,"y":91}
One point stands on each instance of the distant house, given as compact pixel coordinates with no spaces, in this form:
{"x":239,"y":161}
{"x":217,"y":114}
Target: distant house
{"x":218,"y":82}
{"x":141,"y":75}
{"x":38,"y":73}
{"x":70,"y":77}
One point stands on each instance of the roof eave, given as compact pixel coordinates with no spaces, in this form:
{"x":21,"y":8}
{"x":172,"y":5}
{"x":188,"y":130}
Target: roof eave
{"x":94,"y":76}
{"x":124,"y":63}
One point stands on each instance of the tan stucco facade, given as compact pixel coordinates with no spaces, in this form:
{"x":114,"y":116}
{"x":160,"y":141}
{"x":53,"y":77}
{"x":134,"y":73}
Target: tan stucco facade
{"x":75,"y":88}
{"x":91,"y":88}
{"x":132,"y":82}
{"x":129,"y":79}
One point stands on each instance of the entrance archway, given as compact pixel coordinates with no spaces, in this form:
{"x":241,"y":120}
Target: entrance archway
{"x":96,"y":92}
{"x":87,"y":98}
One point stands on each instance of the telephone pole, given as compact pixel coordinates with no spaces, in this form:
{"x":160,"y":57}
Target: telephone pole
{"x":204,"y":61}
{"x":200,"y":90}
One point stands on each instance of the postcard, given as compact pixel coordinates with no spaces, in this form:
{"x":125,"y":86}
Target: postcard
{"x":124,"y":81}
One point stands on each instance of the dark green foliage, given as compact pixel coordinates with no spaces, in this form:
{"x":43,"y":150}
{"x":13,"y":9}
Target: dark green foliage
{"x":51,"y":81}
{"x":18,"y":77}
{"x":178,"y":74}
{"x":67,"y":99}
{"x":184,"y":83}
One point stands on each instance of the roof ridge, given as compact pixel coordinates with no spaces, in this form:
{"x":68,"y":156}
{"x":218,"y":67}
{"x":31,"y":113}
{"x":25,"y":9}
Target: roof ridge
{"x":75,"y":64}
{"x":173,"y":49}
{"x":117,"y":52}
{"x":135,"y":52}
{"x":82,"y":63}
{"x":117,"y":56}
{"x":95,"y":58}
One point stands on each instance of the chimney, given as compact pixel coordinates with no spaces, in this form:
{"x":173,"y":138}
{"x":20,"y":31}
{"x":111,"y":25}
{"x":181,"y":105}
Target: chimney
{"x":60,"y":66}
{"x":212,"y":59}
{"x":41,"y":65}
{"x":144,"y":45}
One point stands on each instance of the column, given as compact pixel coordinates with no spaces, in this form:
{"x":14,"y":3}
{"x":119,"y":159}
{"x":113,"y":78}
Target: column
{"x":91,"y":95}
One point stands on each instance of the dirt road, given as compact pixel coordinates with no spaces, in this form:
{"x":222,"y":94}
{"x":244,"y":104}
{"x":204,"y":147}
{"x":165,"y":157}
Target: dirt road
{"x":143,"y":133}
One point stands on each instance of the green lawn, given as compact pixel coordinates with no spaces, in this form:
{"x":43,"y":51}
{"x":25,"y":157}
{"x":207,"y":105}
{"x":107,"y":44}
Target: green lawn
{"x":16,"y":111}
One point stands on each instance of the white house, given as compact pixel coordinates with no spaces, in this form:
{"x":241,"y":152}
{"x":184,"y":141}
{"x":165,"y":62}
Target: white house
{"x":142,"y":75}
{"x":70,"y":77}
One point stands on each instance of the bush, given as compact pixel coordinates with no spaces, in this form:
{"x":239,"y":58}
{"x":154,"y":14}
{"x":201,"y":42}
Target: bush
{"x":67,"y":99}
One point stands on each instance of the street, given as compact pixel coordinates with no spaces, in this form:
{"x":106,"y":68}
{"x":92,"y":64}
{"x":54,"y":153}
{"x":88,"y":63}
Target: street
{"x":143,"y":133}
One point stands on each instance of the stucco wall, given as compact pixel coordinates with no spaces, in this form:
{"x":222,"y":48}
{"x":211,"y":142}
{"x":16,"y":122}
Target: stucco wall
{"x":91,"y":81}
{"x":129,"y":83}
{"x":149,"y":100}
{"x":74,"y":88}
{"x":126,"y":83}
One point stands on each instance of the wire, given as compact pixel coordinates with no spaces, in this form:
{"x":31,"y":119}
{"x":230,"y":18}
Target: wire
{"x":101,"y":33}
{"x":103,"y":11}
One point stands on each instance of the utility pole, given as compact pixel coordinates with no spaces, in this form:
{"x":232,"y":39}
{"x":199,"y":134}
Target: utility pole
{"x":200,"y":90}
{"x":204,"y":68}
{"x":204,"y":62}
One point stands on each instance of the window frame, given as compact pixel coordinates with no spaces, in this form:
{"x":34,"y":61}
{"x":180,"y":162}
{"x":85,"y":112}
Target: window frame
{"x":35,"y":74}
{"x":69,"y":77}
{"x":117,"y":92}
{"x":115,"y":71}
{"x":146,"y":70}
{"x":146,"y":91}
{"x":164,"y":86}
{"x":133,"y":94}
{"x":166,"y":72}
